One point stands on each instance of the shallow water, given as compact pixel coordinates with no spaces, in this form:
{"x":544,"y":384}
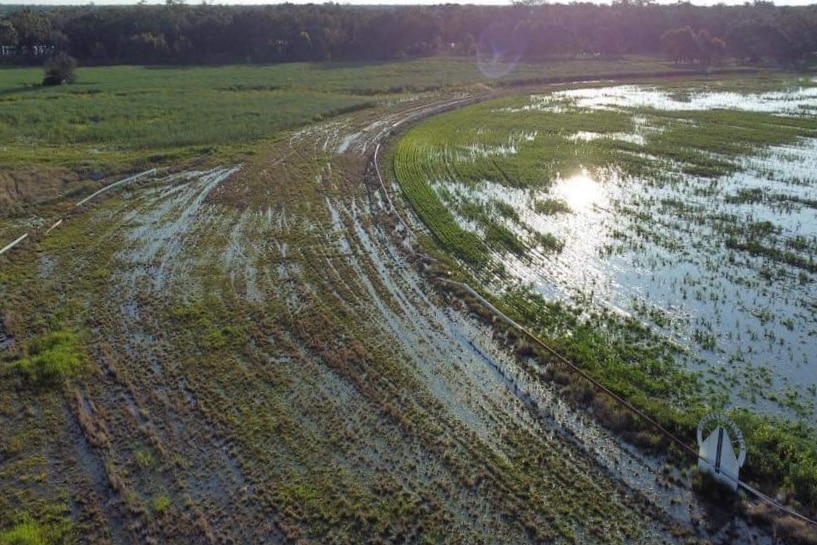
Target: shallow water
{"x":664,"y":251}
{"x":792,"y":102}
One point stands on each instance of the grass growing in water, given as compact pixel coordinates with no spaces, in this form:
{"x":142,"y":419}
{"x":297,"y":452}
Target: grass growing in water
{"x":310,"y":363}
{"x":123,"y":113}
{"x":530,"y":143}
{"x":550,"y":207}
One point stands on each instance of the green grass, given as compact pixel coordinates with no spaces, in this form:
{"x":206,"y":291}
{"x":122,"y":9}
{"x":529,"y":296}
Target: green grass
{"x":206,"y":391}
{"x":550,"y":207}
{"x":705,"y":142}
{"x":158,"y":118}
{"x":126,"y":113}
{"x":161,"y":503}
{"x":250,"y":383}
{"x":348,"y":77}
{"x":510,"y":148}
{"x":413,"y":174}
{"x":699,"y":143}
{"x":127,"y":118}
{"x":633,"y":362}
{"x":27,"y":532}
{"x":542,"y":149}
{"x":515,"y":142}
{"x":621,"y":353}
{"x":51,"y":359}
{"x":51,"y":529}
{"x":137,"y":111}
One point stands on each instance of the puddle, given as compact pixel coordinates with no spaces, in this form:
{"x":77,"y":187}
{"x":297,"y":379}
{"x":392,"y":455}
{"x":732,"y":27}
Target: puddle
{"x":163,"y":223}
{"x":6,"y":340}
{"x":346,"y":142}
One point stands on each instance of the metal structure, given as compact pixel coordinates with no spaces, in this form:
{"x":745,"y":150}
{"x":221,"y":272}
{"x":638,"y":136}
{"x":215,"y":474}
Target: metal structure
{"x":716,"y":451}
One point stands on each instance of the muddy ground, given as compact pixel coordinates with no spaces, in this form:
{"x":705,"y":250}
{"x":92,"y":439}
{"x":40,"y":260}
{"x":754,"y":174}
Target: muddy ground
{"x":268,"y":363}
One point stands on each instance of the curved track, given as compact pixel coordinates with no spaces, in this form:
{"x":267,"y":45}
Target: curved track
{"x":270,"y":365}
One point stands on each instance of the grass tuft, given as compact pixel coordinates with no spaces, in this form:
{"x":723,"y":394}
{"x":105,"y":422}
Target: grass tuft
{"x":51,"y":359}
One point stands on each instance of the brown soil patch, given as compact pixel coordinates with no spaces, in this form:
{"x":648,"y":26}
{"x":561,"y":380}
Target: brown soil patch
{"x":22,"y":188}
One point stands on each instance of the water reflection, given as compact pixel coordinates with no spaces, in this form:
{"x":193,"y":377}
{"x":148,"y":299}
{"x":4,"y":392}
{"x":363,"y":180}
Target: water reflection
{"x":798,"y":101}
{"x":581,"y":192}
{"x":723,"y":267}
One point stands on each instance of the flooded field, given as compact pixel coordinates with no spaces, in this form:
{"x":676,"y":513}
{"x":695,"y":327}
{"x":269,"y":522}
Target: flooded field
{"x":268,"y":364}
{"x":258,"y":342}
{"x":711,"y":245}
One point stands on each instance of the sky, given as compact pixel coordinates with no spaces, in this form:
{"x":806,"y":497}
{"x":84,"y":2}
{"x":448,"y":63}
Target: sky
{"x":373,"y":2}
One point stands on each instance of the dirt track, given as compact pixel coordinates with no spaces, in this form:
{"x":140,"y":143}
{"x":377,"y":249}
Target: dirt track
{"x":268,"y":357}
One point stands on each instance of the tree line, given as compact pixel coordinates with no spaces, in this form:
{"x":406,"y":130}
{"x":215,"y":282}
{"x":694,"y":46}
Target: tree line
{"x":177,"y":33}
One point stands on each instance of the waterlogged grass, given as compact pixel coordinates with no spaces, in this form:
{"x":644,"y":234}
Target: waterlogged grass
{"x":51,"y":359}
{"x":705,"y":143}
{"x":28,"y":531}
{"x":265,"y":369}
{"x":784,"y":455}
{"x":502,"y":142}
{"x":695,"y":200}
{"x":550,"y":207}
{"x":640,"y":366}
{"x":119,"y":119}
{"x":411,"y":169}
{"x":622,"y":353}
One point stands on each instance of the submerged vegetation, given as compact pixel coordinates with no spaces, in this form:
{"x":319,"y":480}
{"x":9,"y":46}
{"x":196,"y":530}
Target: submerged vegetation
{"x":644,"y":186}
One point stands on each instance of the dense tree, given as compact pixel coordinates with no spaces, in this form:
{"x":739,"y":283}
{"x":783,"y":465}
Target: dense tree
{"x":716,"y":51}
{"x":181,"y":33}
{"x":33,"y":30}
{"x":684,"y":45}
{"x":680,"y":44}
{"x":754,"y":41}
{"x":8,"y":34}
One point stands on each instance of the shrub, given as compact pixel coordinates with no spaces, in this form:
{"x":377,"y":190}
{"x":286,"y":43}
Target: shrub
{"x":59,"y":69}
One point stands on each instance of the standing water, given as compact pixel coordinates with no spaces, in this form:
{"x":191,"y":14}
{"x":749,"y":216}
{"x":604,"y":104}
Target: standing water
{"x":721,"y":265}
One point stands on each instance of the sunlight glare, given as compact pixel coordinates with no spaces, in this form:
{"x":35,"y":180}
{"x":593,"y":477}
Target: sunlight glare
{"x":580,"y":192}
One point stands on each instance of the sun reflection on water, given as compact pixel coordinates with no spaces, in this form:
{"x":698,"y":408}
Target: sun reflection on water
{"x":656,"y":249}
{"x":581,"y":192}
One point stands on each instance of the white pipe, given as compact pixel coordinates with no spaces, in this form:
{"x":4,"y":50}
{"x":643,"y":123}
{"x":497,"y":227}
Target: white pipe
{"x":54,"y":226}
{"x":116,"y":184}
{"x":13,"y":244}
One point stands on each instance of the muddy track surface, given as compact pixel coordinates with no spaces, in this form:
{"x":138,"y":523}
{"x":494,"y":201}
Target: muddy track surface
{"x":269,"y":364}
